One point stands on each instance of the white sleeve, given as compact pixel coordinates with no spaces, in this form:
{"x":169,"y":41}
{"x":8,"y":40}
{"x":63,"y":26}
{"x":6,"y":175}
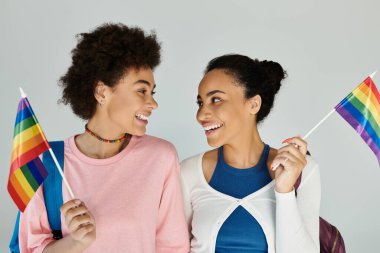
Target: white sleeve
{"x":188,"y":176}
{"x":297,"y":218}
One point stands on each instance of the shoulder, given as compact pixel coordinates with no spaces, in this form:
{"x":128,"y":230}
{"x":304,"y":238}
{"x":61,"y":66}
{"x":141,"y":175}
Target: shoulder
{"x":190,"y":166}
{"x":156,"y":144}
{"x":191,"y":162}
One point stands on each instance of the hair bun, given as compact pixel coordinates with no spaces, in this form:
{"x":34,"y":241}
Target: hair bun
{"x":274,"y":73}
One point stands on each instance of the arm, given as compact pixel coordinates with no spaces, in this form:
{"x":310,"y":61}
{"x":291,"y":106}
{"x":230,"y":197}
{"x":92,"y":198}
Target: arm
{"x":34,"y":229}
{"x":297,"y":218}
{"x":172,"y":234}
{"x":35,"y":233}
{"x":186,"y":199}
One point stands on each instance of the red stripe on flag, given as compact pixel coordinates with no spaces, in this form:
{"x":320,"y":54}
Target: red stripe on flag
{"x":16,"y":198}
{"x":28,"y":156}
{"x":369,"y":82}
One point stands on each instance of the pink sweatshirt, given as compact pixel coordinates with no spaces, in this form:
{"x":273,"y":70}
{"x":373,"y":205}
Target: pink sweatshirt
{"x":135,"y":197}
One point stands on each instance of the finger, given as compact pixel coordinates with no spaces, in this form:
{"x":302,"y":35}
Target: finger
{"x":89,"y":213}
{"x":287,"y":160}
{"x":71,"y":213}
{"x":298,"y":142}
{"x":83,"y":231}
{"x":70,"y":204}
{"x":92,"y":217}
{"x":293,"y":150}
{"x":79,"y":221}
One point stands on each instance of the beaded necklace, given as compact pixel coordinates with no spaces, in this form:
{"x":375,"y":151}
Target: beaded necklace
{"x":105,"y":140}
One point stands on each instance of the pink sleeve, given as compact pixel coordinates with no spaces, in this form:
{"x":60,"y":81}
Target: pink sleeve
{"x":172,"y":233}
{"x":34,"y":229}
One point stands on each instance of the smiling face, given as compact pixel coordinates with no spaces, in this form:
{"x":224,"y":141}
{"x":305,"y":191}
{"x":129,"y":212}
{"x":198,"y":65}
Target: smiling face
{"x":130,"y":102}
{"x":224,"y":112}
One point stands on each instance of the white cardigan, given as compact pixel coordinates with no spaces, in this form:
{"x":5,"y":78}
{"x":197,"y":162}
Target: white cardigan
{"x":290,"y":223}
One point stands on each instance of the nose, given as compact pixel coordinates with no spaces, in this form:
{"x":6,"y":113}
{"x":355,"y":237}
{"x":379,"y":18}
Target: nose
{"x":152,"y":103}
{"x":203,"y":114}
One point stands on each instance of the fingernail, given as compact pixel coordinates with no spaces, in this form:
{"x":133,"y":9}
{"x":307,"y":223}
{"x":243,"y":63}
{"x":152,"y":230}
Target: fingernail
{"x":287,"y":140}
{"x":77,"y":201}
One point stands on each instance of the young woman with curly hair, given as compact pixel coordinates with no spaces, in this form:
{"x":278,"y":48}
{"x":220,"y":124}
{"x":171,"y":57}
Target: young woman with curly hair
{"x":126,"y":182}
{"x":234,"y":201}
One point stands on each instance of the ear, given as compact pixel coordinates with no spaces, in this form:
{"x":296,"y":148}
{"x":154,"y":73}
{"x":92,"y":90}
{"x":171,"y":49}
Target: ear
{"x":99,"y":92}
{"x":254,"y":104}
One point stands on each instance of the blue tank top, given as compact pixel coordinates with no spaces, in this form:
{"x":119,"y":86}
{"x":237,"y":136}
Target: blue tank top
{"x":241,"y":233}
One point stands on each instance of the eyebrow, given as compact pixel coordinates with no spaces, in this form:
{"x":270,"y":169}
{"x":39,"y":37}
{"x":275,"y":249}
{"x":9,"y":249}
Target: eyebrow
{"x":144,"y":82}
{"x":210,"y":93}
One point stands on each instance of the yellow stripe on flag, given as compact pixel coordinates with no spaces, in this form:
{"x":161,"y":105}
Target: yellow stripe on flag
{"x":18,"y":188}
{"x":26,"y":146}
{"x":369,"y":93}
{"x":24,"y":183}
{"x":26,"y":135}
{"x":366,"y":101}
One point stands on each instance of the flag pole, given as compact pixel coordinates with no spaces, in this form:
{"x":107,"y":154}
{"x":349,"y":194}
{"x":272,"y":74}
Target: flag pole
{"x":23,"y":95}
{"x":320,"y":122}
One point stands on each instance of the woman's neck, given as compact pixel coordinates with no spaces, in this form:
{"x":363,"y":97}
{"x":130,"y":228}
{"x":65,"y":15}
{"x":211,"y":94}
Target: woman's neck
{"x":92,"y":147}
{"x":244,"y":151}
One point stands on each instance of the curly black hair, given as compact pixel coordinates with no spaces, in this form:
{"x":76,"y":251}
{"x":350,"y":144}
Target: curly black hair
{"x":105,"y":54}
{"x":257,"y":77}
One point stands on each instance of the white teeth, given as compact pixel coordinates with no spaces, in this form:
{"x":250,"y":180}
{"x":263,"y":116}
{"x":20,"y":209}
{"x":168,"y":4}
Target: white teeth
{"x":212,"y":127}
{"x":141,"y":116}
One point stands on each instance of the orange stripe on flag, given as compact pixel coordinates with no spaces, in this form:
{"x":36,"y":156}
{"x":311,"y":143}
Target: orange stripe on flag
{"x":20,"y":191}
{"x":26,"y":146}
{"x":370,"y":94}
{"x":16,"y":198}
{"x":26,"y":135}
{"x":369,"y":82}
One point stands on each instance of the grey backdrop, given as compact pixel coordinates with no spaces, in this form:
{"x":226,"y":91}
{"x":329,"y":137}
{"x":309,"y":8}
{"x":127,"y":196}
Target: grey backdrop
{"x":327,"y":47}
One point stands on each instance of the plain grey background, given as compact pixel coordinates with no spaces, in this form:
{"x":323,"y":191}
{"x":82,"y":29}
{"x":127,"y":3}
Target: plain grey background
{"x":327,"y":48}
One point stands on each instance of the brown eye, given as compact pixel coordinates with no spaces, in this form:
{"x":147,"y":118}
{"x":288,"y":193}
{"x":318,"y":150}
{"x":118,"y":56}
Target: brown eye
{"x":215,"y":100}
{"x":199,"y":103}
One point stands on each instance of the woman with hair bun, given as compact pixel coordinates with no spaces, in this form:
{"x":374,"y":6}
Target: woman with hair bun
{"x":127,"y":183}
{"x":240,"y":196}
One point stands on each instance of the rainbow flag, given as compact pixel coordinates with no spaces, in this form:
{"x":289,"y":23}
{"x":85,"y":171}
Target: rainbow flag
{"x":361,"y":109}
{"x":27,"y":172}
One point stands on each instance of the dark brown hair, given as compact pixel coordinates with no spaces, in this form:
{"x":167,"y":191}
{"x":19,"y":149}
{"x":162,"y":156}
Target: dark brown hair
{"x":105,"y":54}
{"x":257,"y":77}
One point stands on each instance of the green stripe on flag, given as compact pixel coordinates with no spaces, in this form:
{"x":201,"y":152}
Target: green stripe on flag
{"x":366,"y":113}
{"x":23,"y":125}
{"x":29,"y":176}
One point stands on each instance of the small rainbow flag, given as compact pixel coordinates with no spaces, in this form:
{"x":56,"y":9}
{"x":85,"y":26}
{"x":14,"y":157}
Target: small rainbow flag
{"x":27,"y":172}
{"x":361,"y":109}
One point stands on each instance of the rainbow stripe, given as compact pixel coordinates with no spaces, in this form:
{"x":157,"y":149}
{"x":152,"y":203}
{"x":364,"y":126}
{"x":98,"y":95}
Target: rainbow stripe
{"x":27,"y":171}
{"x":361,"y":109}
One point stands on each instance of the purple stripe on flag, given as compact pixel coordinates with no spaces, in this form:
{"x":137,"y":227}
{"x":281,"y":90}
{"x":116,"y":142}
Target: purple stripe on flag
{"x":360,"y":129}
{"x":40,"y":167}
{"x":23,"y":103}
